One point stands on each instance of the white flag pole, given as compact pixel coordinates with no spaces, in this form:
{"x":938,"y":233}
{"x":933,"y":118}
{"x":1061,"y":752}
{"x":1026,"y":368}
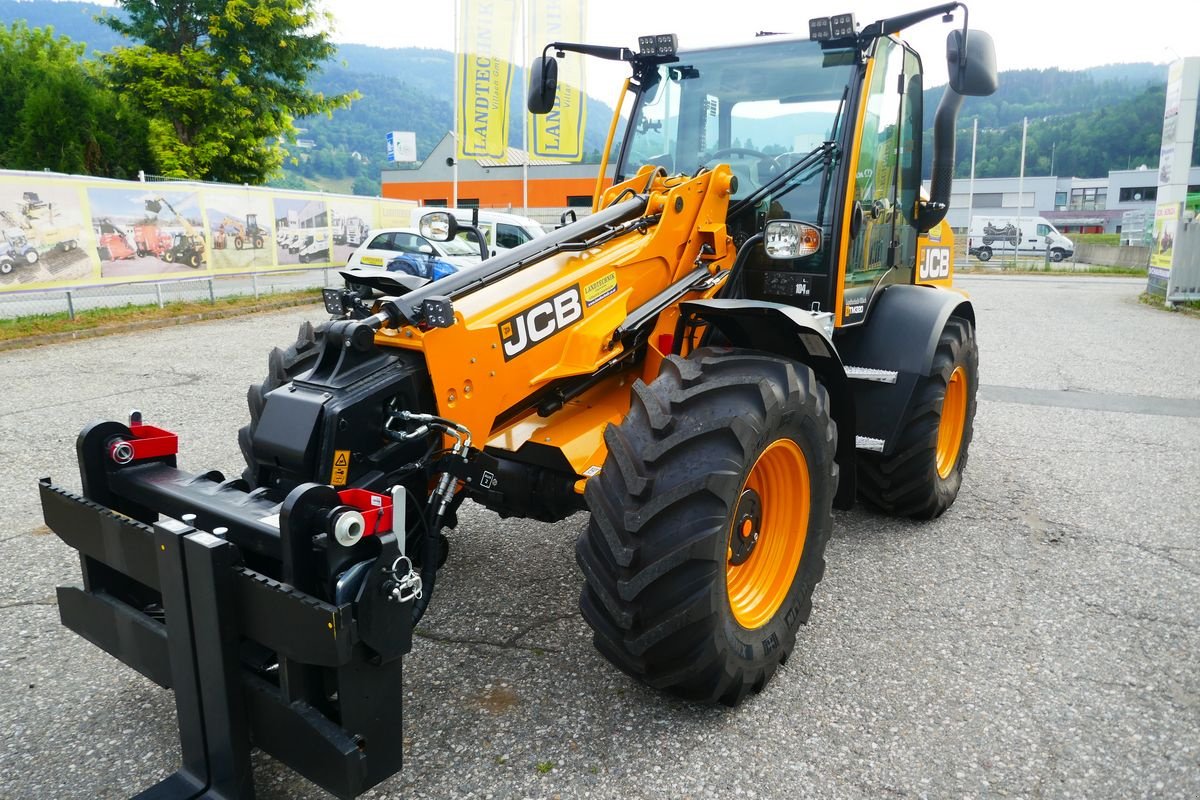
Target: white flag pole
{"x":454,"y":130}
{"x":971,"y":190}
{"x":525,"y":43}
{"x":1021,"y":191}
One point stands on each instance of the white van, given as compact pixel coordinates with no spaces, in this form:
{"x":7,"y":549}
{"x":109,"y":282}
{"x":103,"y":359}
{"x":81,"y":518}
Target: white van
{"x":502,"y":231}
{"x":993,"y":234}
{"x":313,"y":247}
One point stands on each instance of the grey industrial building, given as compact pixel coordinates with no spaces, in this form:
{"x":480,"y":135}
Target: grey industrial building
{"x":1074,"y":205}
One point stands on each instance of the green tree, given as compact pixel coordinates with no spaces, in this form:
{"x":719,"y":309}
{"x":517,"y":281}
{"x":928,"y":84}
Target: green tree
{"x":289,"y":180}
{"x":222,"y":80}
{"x":60,"y":114}
{"x":366,"y":186}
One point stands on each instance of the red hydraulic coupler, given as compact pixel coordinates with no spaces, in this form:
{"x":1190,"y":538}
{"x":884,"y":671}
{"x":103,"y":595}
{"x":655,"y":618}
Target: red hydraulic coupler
{"x":147,"y":442}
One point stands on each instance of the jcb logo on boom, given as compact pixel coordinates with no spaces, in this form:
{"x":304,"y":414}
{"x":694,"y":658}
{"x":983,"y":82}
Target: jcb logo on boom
{"x":540,"y":322}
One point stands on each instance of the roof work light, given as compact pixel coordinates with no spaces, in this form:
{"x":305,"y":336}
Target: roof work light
{"x":661,"y":44}
{"x":839,"y":26}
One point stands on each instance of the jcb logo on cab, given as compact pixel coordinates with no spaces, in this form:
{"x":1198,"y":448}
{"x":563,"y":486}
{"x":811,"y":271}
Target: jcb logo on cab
{"x":935,"y":263}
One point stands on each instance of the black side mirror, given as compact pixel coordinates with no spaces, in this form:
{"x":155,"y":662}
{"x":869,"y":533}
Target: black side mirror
{"x":972,"y":64}
{"x":543,"y":85}
{"x":438,"y":226}
{"x":442,"y":226}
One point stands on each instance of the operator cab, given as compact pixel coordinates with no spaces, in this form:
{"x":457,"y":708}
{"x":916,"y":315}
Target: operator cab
{"x":824,"y":132}
{"x":780,"y":105}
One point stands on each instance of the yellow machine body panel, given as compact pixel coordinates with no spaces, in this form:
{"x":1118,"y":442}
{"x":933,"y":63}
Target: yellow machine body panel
{"x":555,"y":319}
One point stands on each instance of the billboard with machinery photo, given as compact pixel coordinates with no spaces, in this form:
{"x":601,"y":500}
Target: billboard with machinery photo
{"x":64,"y":231}
{"x":144,"y":229}
{"x":44,"y":235}
{"x":241,"y":229}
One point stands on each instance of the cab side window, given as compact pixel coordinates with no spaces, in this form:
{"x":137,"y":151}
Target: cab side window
{"x":875,"y":177}
{"x":886,"y":183}
{"x":407,"y":243}
{"x":909,"y":158}
{"x":488,"y":232}
{"x":510,"y":236}
{"x":382,"y":242}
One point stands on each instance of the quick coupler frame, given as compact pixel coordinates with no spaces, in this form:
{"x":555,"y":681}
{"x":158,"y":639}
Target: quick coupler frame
{"x":234,"y":610}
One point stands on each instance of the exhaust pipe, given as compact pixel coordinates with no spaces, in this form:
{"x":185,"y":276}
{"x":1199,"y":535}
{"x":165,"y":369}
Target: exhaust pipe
{"x":941,"y":180}
{"x":971,"y":58}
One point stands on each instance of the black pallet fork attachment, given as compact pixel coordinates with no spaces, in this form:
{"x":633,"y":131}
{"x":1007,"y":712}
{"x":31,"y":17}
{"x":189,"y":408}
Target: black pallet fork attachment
{"x":255,"y":659}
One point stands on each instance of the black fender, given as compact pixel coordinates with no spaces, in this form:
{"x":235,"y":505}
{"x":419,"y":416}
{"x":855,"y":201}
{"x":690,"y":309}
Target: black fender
{"x":799,"y":335}
{"x":901,"y":334}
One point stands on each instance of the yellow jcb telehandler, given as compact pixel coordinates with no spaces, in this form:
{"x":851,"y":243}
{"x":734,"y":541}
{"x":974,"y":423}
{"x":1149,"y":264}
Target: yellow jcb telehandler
{"x":754,"y":327}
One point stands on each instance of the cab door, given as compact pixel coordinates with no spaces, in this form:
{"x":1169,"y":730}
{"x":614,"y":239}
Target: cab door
{"x":880,"y":235}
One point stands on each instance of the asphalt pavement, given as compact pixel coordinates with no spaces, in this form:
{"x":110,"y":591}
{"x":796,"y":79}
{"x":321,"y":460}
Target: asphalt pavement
{"x":1041,"y":639}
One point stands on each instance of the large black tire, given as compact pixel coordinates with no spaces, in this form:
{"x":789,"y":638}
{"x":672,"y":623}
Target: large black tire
{"x":282,"y":367}
{"x":908,"y":482}
{"x":984,"y":254}
{"x":658,"y":547}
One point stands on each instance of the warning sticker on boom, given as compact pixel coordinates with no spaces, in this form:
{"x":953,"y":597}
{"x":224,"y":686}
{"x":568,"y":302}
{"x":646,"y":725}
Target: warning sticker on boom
{"x":341,"y":466}
{"x":599,"y":289}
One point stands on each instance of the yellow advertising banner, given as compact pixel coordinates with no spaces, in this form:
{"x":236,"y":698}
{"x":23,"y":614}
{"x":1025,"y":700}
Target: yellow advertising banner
{"x":483,"y":76}
{"x":559,"y":134}
{"x":1166,"y":224}
{"x":65,"y":231}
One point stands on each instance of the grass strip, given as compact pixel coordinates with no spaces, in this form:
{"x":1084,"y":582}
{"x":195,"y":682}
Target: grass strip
{"x":1189,"y":308}
{"x":118,"y":318}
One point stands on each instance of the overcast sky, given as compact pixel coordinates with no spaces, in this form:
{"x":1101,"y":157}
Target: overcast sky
{"x":1028,"y":33}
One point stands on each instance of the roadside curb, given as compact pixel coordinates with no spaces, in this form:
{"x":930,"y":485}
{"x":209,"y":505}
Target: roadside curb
{"x":148,"y":324}
{"x":1043,"y":273}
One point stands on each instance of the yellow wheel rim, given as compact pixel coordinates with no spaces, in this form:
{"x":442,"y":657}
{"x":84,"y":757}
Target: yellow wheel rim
{"x":767,"y":533}
{"x":954,"y":418}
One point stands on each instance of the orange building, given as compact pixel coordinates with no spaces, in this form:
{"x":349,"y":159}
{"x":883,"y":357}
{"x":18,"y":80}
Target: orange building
{"x":493,"y":183}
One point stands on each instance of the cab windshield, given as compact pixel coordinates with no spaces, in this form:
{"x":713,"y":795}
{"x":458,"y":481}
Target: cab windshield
{"x":758,"y":107}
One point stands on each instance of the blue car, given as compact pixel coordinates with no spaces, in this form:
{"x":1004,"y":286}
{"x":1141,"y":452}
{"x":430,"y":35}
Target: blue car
{"x":422,"y":265}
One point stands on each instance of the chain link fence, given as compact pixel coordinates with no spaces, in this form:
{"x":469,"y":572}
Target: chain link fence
{"x":159,"y":293}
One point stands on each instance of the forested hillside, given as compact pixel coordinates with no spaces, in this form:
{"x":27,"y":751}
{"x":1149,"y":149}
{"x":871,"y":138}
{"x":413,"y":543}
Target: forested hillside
{"x":1085,"y":144}
{"x":1080,"y":123}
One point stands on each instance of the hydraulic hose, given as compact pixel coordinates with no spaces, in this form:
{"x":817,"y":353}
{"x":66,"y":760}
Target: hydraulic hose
{"x":429,"y":570}
{"x":733,"y":284}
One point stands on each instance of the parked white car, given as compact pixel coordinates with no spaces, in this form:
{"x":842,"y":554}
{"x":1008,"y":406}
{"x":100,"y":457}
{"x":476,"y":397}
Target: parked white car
{"x":501,"y":231}
{"x":405,"y":249}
